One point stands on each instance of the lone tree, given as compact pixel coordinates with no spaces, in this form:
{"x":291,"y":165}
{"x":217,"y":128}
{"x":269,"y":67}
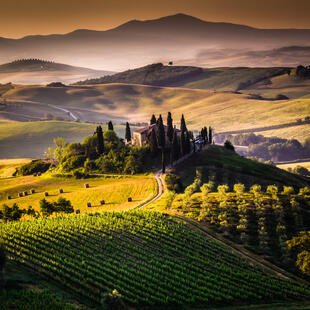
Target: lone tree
{"x":183,"y":124}
{"x":153,"y":143}
{"x":128,"y":133}
{"x":100,"y":140}
{"x":153,"y":120}
{"x":228,"y":145}
{"x":110,"y":126}
{"x":161,"y":132}
{"x":169,"y":127}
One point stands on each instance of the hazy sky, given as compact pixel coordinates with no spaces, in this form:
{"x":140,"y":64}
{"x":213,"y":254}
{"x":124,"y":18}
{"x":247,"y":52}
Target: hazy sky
{"x":23,"y":17}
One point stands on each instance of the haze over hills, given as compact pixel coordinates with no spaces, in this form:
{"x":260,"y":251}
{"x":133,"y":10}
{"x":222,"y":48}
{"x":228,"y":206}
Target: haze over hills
{"x":181,"y":38}
{"x":37,"y":71}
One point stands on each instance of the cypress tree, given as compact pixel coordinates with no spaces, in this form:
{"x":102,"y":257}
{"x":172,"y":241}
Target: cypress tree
{"x":206,"y":140}
{"x":169,"y":127}
{"x":100,"y":141}
{"x":153,"y":120}
{"x":210,"y":135}
{"x":175,"y":150}
{"x":110,"y":126}
{"x":182,"y":144}
{"x":163,"y":164}
{"x":128,"y":133}
{"x":183,"y":124}
{"x":187,"y":142}
{"x":161,"y":132}
{"x":153,"y":143}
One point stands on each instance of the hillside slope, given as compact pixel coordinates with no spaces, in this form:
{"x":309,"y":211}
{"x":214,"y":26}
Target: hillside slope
{"x":36,"y":71}
{"x":31,"y":139}
{"x":150,"y":258}
{"x":217,"y":164}
{"x":228,"y":79}
{"x":225,"y":111}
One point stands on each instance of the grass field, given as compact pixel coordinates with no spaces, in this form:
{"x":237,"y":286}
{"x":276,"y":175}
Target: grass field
{"x":9,"y":166}
{"x":31,"y":139}
{"x":113,"y":189}
{"x":150,"y":258}
{"x":305,"y":164}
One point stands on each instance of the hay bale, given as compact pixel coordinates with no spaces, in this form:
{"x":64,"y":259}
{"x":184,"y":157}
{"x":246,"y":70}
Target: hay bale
{"x":25,"y":193}
{"x":20,"y":194}
{"x":32,"y":191}
{"x":45,"y":194}
{"x":9,"y":197}
{"x":35,"y":174}
{"x":129,"y":199}
{"x":86,"y":185}
{"x":61,"y":191}
{"x":77,"y":211}
{"x":39,"y":173}
{"x":102,"y":202}
{"x":88,"y":204}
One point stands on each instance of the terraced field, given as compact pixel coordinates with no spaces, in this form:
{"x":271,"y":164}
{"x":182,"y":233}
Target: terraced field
{"x":150,"y":258}
{"x":114,"y":190}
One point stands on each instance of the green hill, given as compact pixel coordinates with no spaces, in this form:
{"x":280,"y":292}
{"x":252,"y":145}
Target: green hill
{"x":151,"y":259}
{"x":217,"y":164}
{"x":31,"y":139}
{"x":229,"y":79}
{"x":37,"y":71}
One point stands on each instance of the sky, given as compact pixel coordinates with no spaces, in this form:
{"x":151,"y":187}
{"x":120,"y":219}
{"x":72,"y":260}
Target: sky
{"x":29,"y":17}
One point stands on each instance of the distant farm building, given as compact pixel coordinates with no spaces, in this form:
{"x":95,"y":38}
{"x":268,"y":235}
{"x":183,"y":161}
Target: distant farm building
{"x":141,"y":136}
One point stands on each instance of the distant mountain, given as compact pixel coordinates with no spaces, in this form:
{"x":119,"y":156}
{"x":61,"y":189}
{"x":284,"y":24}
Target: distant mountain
{"x":179,"y":37}
{"x":37,"y":71}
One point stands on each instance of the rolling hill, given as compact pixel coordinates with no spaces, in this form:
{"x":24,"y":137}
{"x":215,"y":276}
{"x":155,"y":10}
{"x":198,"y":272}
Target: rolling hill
{"x":36,"y":71}
{"x":225,"y":111}
{"x":31,"y":139}
{"x":181,"y":38}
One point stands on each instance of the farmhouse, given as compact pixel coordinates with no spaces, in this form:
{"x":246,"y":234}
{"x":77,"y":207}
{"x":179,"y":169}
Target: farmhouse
{"x":141,"y":136}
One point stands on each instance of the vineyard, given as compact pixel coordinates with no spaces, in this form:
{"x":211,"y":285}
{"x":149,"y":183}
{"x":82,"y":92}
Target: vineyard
{"x":149,"y":258}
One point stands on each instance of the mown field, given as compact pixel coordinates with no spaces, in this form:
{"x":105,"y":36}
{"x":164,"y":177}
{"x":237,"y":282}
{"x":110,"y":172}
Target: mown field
{"x":9,"y":166}
{"x":31,"y":139}
{"x":150,"y":258}
{"x":114,"y":190}
{"x":305,"y":164}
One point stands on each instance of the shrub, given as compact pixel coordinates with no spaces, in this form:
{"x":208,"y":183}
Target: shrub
{"x":73,"y":162}
{"x":113,"y":301}
{"x":173,"y":183}
{"x":228,"y":145}
{"x":34,"y":167}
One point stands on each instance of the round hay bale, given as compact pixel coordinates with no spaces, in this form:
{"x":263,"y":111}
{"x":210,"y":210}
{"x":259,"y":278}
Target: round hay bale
{"x":77,"y":211}
{"x":61,"y":191}
{"x":45,"y":194}
{"x":39,"y":173}
{"x":9,"y":197}
{"x":25,"y":193}
{"x":102,"y":202}
{"x":20,"y":194}
{"x":88,"y":204}
{"x":35,"y":174}
{"x":32,"y":191}
{"x":86,"y":185}
{"x":129,"y":199}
